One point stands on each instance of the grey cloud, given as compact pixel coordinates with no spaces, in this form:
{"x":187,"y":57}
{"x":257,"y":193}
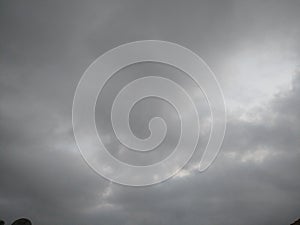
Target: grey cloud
{"x":232,"y":191}
{"x":45,"y":48}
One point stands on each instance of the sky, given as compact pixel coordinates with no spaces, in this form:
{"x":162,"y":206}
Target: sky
{"x":253,"y":49}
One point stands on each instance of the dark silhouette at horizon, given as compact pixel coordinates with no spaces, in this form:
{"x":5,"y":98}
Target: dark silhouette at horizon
{"x":297,"y":222}
{"x":22,"y":221}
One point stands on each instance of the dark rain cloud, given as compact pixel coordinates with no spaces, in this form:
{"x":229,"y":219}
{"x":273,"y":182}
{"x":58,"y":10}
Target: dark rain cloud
{"x":44,"y":49}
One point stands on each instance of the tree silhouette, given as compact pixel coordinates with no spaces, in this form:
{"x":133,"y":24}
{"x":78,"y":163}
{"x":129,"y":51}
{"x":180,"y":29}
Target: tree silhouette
{"x":22,"y":221}
{"x":297,"y":222}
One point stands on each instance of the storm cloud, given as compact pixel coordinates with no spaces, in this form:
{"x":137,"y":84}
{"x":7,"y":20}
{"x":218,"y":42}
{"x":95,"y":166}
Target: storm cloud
{"x":253,"y":48}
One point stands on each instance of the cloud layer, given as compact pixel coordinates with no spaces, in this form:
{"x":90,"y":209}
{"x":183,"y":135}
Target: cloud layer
{"x":253,"y":47}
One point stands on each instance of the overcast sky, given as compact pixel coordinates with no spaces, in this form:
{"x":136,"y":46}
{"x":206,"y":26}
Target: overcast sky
{"x":253,"y":48}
